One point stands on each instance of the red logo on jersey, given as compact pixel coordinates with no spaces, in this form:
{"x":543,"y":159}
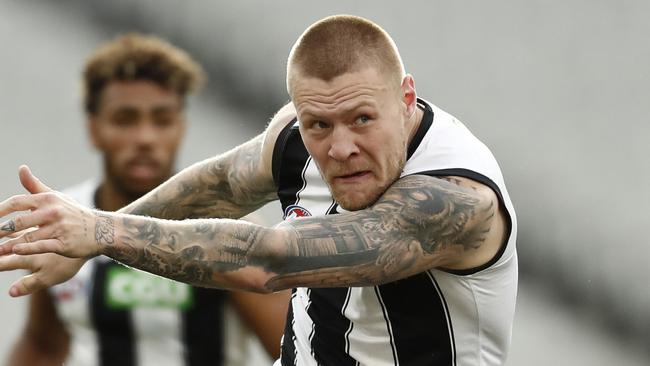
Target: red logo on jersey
{"x":294,"y":211}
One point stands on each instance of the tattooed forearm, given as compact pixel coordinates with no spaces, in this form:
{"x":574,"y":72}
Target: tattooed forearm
{"x":416,"y":225}
{"x":9,"y":226}
{"x":419,"y":223}
{"x":104,"y":229}
{"x":200,"y":252}
{"x":228,"y":186}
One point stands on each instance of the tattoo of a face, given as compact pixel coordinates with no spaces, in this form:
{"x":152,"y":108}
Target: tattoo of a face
{"x":104,"y":229}
{"x":9,"y":226}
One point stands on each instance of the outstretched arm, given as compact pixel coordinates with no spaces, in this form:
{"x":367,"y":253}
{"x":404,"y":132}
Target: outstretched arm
{"x":419,"y":223}
{"x":44,"y":340}
{"x":230,"y":185}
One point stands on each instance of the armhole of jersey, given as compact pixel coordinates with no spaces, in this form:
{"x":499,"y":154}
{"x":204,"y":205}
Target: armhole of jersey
{"x":470,"y":174}
{"x":278,"y":150}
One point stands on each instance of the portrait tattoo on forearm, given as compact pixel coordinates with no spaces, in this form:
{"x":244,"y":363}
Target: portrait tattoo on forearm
{"x":9,"y":226}
{"x":104,"y":229}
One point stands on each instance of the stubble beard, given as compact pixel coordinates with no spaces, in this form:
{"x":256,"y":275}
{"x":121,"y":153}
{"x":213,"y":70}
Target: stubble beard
{"x":369,"y":195}
{"x":126,"y":188}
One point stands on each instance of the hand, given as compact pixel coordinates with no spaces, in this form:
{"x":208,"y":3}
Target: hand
{"x":46,"y":270}
{"x":64,"y":227}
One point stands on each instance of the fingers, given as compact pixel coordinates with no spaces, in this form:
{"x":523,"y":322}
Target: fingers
{"x":14,"y":262}
{"x":23,"y":222}
{"x":26,"y":286}
{"x":15,"y":204}
{"x":30,"y":182}
{"x":38,"y":247}
{"x":22,"y":232}
{"x":28,"y":237}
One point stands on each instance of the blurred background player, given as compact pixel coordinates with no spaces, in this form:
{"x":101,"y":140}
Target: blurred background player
{"x":135,"y":93}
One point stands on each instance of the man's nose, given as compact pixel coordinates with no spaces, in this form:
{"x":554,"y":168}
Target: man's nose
{"x":343,"y":144}
{"x":145,"y":133}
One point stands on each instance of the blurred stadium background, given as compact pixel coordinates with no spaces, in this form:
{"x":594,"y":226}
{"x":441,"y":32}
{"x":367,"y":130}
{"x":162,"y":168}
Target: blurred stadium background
{"x":556,"y":89}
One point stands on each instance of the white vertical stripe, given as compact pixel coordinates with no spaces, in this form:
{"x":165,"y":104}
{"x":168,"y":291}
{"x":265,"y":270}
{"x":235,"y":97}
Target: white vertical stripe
{"x":388,"y":325}
{"x":158,"y":336}
{"x":302,"y":328}
{"x":72,"y":300}
{"x":369,"y":336}
{"x":314,"y":196}
{"x":347,"y":333}
{"x":304,"y":182}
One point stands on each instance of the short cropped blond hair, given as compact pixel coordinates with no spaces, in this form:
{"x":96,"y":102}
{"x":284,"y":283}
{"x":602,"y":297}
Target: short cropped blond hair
{"x":135,"y":56}
{"x":340,"y":44}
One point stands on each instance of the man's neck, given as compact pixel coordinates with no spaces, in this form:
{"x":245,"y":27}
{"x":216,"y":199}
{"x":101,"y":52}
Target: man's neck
{"x":109,"y":198}
{"x":415,"y":122}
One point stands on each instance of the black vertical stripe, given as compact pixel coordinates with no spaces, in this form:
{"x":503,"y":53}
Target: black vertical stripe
{"x":203,"y":328}
{"x":419,"y":321}
{"x":331,"y":327}
{"x":427,"y":120}
{"x":289,"y":160}
{"x":278,"y":150}
{"x":115,"y":336}
{"x":288,"y":348}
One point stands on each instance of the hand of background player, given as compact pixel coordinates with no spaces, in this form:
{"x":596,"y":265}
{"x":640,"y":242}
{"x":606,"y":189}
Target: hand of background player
{"x":45,"y":270}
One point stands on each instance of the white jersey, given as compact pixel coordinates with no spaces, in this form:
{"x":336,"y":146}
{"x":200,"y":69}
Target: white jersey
{"x":460,"y":318}
{"x":120,"y":316}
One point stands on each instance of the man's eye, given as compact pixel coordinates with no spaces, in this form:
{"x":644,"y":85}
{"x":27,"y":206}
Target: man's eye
{"x":124,"y":120}
{"x":362,"y":120}
{"x":164,"y":121}
{"x":319,"y":125}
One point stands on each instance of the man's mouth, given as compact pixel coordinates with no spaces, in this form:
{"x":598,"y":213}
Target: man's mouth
{"x":352,"y":177}
{"x":143,"y":168}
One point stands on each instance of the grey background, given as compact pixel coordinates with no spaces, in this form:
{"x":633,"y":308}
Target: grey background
{"x":557,"y":90}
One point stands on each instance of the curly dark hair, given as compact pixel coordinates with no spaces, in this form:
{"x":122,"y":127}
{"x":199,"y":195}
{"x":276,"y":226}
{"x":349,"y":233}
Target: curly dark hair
{"x":135,"y":56}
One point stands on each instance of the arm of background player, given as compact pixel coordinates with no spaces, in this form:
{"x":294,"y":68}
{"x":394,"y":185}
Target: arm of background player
{"x":44,"y":340}
{"x":264,"y":314}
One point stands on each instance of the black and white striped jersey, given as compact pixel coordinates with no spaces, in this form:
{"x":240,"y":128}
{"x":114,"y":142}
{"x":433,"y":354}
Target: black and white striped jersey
{"x":460,"y":318}
{"x":120,"y":316}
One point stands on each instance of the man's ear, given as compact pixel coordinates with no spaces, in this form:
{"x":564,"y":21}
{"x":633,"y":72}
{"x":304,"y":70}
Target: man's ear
{"x":409,"y":96}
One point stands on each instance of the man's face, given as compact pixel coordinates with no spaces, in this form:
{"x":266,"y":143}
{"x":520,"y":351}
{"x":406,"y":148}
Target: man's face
{"x":138,"y":128}
{"x":354,"y":127}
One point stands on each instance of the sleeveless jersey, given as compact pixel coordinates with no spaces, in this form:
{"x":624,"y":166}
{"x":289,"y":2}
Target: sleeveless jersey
{"x":120,"y":316}
{"x":460,"y":318}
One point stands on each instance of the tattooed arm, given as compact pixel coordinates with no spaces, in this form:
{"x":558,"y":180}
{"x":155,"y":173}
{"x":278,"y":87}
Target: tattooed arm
{"x":419,"y":223}
{"x":230,"y":185}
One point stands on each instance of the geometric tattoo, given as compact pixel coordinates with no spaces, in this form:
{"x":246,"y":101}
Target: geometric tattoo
{"x":10,"y":226}
{"x":104,"y":230}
